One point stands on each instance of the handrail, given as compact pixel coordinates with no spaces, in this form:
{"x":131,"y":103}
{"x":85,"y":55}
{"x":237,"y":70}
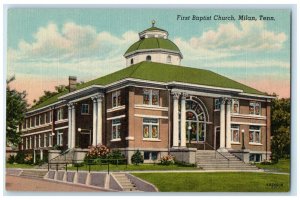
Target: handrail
{"x":88,"y":163}
{"x":217,"y":152}
{"x":61,"y":154}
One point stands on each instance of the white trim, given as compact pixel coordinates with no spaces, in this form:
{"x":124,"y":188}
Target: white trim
{"x":116,"y":117}
{"x":257,"y":95}
{"x":151,"y":116}
{"x":248,"y":116}
{"x":44,"y":131}
{"x":28,"y":112}
{"x":61,"y":121}
{"x":129,"y":138}
{"x":80,"y":90}
{"x":256,"y":144}
{"x":116,"y":140}
{"x":59,"y":128}
{"x":151,"y":140}
{"x":247,"y":123}
{"x":195,"y":93}
{"x":116,"y":108}
{"x":235,"y":143}
{"x":207,"y":87}
{"x":37,"y":127}
{"x":152,"y":50}
{"x":150,"y":107}
{"x":85,"y":97}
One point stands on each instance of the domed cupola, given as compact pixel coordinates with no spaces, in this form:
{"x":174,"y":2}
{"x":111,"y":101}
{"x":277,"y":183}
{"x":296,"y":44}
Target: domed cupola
{"x":154,"y":46}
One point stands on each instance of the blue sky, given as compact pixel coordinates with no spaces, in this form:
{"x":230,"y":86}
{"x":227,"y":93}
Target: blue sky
{"x":47,"y":45}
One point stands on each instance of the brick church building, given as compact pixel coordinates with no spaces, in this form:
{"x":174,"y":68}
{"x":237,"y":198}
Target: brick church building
{"x":154,"y":105}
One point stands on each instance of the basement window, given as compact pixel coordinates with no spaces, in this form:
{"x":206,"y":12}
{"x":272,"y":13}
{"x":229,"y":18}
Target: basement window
{"x":150,"y":155}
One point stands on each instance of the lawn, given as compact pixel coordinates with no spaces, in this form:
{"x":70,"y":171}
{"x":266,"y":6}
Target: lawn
{"x":141,"y":167}
{"x":19,"y":166}
{"x":283,"y":165}
{"x":218,"y":182}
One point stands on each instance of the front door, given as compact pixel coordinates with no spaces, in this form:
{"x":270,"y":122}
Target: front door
{"x":84,"y":140}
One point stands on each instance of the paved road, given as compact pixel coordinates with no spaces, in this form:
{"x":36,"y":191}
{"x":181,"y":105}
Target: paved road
{"x":14,"y":184}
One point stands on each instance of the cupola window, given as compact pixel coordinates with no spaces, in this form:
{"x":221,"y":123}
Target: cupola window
{"x":131,"y":61}
{"x":169,"y":59}
{"x":148,"y":58}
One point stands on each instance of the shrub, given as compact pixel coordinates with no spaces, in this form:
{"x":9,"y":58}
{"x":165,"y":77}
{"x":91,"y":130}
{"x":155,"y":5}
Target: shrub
{"x":167,"y":160}
{"x":137,"y":158}
{"x":116,"y":154}
{"x":184,"y":164}
{"x":11,"y":159}
{"x":99,"y":151}
{"x":20,"y":157}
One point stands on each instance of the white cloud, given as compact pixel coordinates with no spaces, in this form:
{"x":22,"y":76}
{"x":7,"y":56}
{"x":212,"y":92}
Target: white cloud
{"x":249,"y":63}
{"x":231,"y":39}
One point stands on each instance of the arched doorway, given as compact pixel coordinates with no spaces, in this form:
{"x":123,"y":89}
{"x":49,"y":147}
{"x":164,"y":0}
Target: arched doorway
{"x":196,"y":121}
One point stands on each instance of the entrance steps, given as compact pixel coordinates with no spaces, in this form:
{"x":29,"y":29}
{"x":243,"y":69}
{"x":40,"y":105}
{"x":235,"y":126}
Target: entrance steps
{"x":211,"y":160}
{"x":33,"y":173}
{"x":124,"y":182}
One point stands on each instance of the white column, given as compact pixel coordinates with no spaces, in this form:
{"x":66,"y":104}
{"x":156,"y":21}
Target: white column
{"x":222,"y":124}
{"x":34,"y":156}
{"x":35,"y":141}
{"x":175,"y":119}
{"x":94,"y":121}
{"x":183,"y":121}
{"x":73,"y":127}
{"x":69,"y":125}
{"x":99,"y":119}
{"x":41,"y":154}
{"x":228,"y":124}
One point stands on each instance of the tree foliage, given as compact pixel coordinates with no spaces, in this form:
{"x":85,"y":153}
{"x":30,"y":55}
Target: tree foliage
{"x":49,"y":94}
{"x":281,"y":120}
{"x":16,"y":106}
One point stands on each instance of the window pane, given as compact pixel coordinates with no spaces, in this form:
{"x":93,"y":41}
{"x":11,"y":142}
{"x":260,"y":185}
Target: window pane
{"x":119,"y":100}
{"x":119,"y":131}
{"x":154,"y":131}
{"x":235,"y":136}
{"x":257,"y":137}
{"x":114,"y":101}
{"x":154,"y":156}
{"x":251,"y":136}
{"x":146,"y":131}
{"x":146,"y":99}
{"x":114,"y":132}
{"x":155,"y":98}
{"x":146,"y":155}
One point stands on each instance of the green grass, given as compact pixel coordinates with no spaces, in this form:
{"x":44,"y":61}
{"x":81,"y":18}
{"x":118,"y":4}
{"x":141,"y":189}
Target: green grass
{"x":142,"y":167}
{"x":282,"y":166}
{"x":19,"y":165}
{"x":217,"y":182}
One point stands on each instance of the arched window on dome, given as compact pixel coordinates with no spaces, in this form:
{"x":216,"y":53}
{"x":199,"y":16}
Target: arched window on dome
{"x":131,"y":61}
{"x":148,"y":58}
{"x":169,"y":59}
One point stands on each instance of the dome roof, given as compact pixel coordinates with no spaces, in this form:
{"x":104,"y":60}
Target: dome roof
{"x":151,"y":44}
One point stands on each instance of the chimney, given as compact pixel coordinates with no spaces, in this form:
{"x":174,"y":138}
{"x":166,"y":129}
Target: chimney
{"x":72,"y":83}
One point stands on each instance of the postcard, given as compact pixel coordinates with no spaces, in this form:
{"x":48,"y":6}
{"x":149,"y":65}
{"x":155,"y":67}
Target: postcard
{"x":148,"y":99}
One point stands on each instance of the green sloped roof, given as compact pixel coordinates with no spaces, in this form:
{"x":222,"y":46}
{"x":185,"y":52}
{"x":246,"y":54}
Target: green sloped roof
{"x":153,"y":28}
{"x":152,"y":43}
{"x":160,"y":72}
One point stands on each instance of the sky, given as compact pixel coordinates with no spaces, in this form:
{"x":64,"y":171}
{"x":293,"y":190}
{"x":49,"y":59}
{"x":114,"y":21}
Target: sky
{"x":47,"y":45}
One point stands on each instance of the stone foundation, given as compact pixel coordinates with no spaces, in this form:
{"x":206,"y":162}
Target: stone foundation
{"x":187,"y":155}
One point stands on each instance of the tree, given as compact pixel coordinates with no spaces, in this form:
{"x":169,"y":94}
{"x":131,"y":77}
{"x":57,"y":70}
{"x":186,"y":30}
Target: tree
{"x":49,"y":94}
{"x":16,"y":106}
{"x":281,"y":119}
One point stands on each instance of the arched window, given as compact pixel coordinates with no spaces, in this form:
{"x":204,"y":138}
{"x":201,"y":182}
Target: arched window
{"x":148,"y":58}
{"x":169,"y":59}
{"x":131,"y":61}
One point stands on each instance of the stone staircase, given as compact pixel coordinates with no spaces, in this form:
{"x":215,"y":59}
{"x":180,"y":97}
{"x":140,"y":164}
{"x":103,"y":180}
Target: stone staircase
{"x":59,"y":161}
{"x":33,"y":173}
{"x":209,"y":160}
{"x":124,"y":182}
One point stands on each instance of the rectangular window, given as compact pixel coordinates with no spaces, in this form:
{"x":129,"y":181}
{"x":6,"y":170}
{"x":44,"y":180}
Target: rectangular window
{"x":150,"y":128}
{"x":254,"y":108}
{"x":37,"y":122}
{"x":235,"y":106}
{"x":26,"y":144}
{"x":235,"y":133}
{"x":255,"y":158}
{"x":35,"y":141}
{"x":151,"y":97}
{"x":150,"y":155}
{"x":85,"y":109}
{"x":116,"y":99}
{"x":59,"y":140}
{"x":254,"y":134}
{"x":30,"y":143}
{"x":50,"y":139}
{"x":40,"y":120}
{"x":24,"y":125}
{"x":50,"y":116}
{"x":45,"y":140}
{"x":60,"y":114}
{"x":116,"y":129}
{"x":217,"y":104}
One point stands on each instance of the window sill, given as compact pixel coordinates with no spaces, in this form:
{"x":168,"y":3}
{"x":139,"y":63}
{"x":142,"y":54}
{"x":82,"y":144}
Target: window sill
{"x":116,"y":108}
{"x":85,"y":114}
{"x":150,"y":107}
{"x":151,"y":140}
{"x":257,"y":144}
{"x":216,"y":110}
{"x":235,"y":143}
{"x":116,"y":140}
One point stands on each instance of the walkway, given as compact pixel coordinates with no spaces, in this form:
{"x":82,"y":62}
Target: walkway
{"x":18,"y":184}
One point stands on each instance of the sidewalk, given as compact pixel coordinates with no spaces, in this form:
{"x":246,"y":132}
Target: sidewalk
{"x":21,"y":184}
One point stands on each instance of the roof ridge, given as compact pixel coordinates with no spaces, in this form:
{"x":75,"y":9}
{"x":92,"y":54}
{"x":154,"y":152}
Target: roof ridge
{"x":136,"y":67}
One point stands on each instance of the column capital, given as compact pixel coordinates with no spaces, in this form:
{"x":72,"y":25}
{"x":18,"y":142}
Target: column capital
{"x":184,"y":95}
{"x":97,"y":97}
{"x":175,"y":95}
